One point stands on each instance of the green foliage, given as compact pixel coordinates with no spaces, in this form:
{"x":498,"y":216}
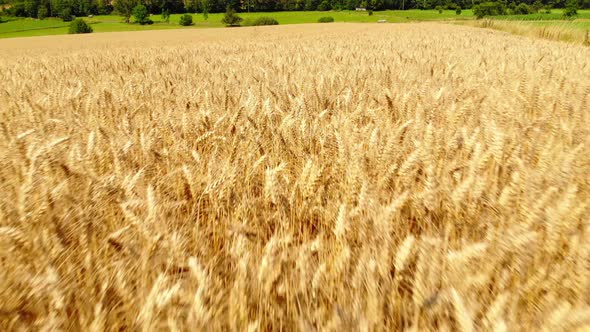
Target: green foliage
{"x":324,"y":6}
{"x":31,"y":7}
{"x":66,"y":15}
{"x":231,"y":19}
{"x":79,"y":26}
{"x":265,"y":21}
{"x":571,"y":8}
{"x":311,"y":4}
{"x":186,"y":20}
{"x":104,"y":8}
{"x":522,"y":9}
{"x":458,"y":11}
{"x":125,"y":8}
{"x":537,"y":6}
{"x":141,"y":15}
{"x":512,"y":7}
{"x":42,"y":12}
{"x":205,"y":5}
{"x":439,"y":9}
{"x":326,"y":19}
{"x":370,"y":12}
{"x":17,"y":9}
{"x":489,"y":9}
{"x":166,"y":15}
{"x":376,"y":4}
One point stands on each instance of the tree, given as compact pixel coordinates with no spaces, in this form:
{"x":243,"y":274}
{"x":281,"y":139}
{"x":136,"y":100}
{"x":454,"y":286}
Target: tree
{"x":191,"y":5}
{"x":125,"y":8}
{"x":31,"y":7}
{"x":103,"y":7}
{"x":311,"y":4}
{"x":231,"y":19}
{"x":489,"y":9}
{"x":166,"y":15}
{"x":205,"y":5}
{"x":42,"y":12}
{"x":522,"y":9}
{"x":141,"y":15}
{"x":66,"y":14}
{"x":324,"y":6}
{"x":571,"y":8}
{"x":376,"y":4}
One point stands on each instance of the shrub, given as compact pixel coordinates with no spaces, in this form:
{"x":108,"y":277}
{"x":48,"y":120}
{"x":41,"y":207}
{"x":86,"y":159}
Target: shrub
{"x":326,"y":19}
{"x":522,"y":9}
{"x":265,"y":21}
{"x":571,"y":8}
{"x":370,"y":12}
{"x":458,"y":11}
{"x":66,"y":15}
{"x":489,"y":9}
{"x":141,"y":15}
{"x":439,"y":9}
{"x":186,"y":20}
{"x":79,"y":26}
{"x":231,"y":19}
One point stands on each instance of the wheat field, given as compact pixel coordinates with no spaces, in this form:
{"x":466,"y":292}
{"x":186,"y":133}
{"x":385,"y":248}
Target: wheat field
{"x":315,"y":177}
{"x":567,"y":31}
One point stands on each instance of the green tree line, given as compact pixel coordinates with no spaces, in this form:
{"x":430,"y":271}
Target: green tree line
{"x":68,"y":8}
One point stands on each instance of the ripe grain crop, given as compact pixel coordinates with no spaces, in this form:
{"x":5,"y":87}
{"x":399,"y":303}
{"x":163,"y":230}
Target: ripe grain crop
{"x":342,"y":177}
{"x":576,"y":32}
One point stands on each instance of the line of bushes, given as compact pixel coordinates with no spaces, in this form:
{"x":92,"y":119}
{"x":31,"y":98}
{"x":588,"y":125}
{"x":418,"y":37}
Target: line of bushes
{"x":265,"y":20}
{"x":232,"y":19}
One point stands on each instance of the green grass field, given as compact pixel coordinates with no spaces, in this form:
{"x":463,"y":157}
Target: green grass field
{"x":19,"y":27}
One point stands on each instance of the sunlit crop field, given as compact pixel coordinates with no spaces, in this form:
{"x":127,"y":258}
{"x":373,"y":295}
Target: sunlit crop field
{"x":311,"y":177}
